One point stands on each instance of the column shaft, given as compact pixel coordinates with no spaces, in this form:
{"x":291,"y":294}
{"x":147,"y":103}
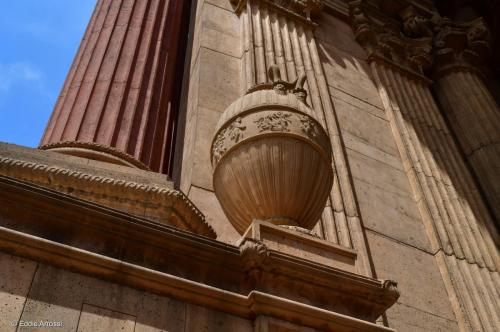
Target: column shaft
{"x":119,"y":102}
{"x":475,"y":119}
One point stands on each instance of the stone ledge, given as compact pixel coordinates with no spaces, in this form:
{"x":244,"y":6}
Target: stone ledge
{"x":44,"y":215}
{"x":139,"y":192}
{"x":254,"y":304}
{"x":293,"y":243}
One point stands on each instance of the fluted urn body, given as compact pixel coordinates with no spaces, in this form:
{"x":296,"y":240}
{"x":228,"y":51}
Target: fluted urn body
{"x":271,"y":159}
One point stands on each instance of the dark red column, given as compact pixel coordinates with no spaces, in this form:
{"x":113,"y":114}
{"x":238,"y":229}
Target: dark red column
{"x":119,"y":102}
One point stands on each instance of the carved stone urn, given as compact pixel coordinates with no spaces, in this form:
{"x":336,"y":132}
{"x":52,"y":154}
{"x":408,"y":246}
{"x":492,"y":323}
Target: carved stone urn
{"x":272,"y":160}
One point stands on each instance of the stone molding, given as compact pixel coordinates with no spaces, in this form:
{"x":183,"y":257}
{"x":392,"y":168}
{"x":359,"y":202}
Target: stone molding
{"x":300,"y":10}
{"x":247,"y":306}
{"x":95,"y":151}
{"x":108,"y":190}
{"x":173,"y":262}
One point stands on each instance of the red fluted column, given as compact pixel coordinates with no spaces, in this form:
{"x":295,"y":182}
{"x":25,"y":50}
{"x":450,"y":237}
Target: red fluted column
{"x":119,"y":102}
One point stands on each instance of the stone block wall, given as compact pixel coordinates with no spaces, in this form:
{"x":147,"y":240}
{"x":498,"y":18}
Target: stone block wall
{"x":32,"y":292}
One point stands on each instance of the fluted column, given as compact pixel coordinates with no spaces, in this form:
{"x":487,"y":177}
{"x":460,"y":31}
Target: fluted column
{"x":119,"y":101}
{"x":458,"y":222}
{"x":470,"y":109}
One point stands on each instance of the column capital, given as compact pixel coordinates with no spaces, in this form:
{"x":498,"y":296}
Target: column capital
{"x":406,"y":44}
{"x":418,"y":40}
{"x":296,"y":8}
{"x":460,"y":45}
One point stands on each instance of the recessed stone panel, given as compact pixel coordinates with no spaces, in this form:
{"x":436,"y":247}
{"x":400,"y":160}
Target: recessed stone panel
{"x":219,"y":80}
{"x":369,"y":128}
{"x":393,"y":215}
{"x":404,"y":318}
{"x":348,"y":74}
{"x":378,"y":174}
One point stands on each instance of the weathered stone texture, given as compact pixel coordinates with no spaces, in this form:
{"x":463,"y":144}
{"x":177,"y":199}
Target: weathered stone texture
{"x":88,"y":304}
{"x":16,"y":276}
{"x":417,"y":273}
{"x":214,"y":84}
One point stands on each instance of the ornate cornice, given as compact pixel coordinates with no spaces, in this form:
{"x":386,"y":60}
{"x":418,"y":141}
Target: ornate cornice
{"x":409,"y":49}
{"x":64,"y":179}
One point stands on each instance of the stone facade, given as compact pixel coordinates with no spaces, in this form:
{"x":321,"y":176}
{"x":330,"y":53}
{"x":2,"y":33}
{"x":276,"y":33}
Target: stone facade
{"x":263,"y":165}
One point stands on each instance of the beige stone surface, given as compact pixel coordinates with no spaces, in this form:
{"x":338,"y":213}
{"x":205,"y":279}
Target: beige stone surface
{"x":392,"y":215}
{"x":16,"y":274}
{"x":141,"y":193}
{"x":342,"y":39}
{"x":76,"y":294}
{"x":348,"y":74}
{"x":222,"y":4}
{"x":205,"y":130}
{"x":269,"y":324}
{"x":87,"y":304}
{"x":356,"y":144}
{"x":83,"y":165}
{"x":96,"y":319}
{"x":358,"y":102}
{"x":203,"y":319}
{"x":219,"y":79}
{"x":188,"y":140}
{"x":206,"y":201}
{"x":379,"y":174}
{"x":417,"y":273}
{"x":369,"y":128}
{"x":408,"y":319}
{"x":221,"y":30}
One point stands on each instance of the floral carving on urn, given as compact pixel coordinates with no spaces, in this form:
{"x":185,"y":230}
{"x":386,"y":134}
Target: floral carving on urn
{"x":272,"y":159}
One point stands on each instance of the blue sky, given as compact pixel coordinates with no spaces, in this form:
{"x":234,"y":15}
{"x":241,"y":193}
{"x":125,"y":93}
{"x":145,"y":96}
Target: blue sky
{"x":38,"y":40}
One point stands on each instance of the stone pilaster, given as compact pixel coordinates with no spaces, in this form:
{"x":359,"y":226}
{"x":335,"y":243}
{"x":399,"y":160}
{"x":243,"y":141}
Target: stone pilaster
{"x":473,"y":115}
{"x":118,"y":103}
{"x":282,"y":33}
